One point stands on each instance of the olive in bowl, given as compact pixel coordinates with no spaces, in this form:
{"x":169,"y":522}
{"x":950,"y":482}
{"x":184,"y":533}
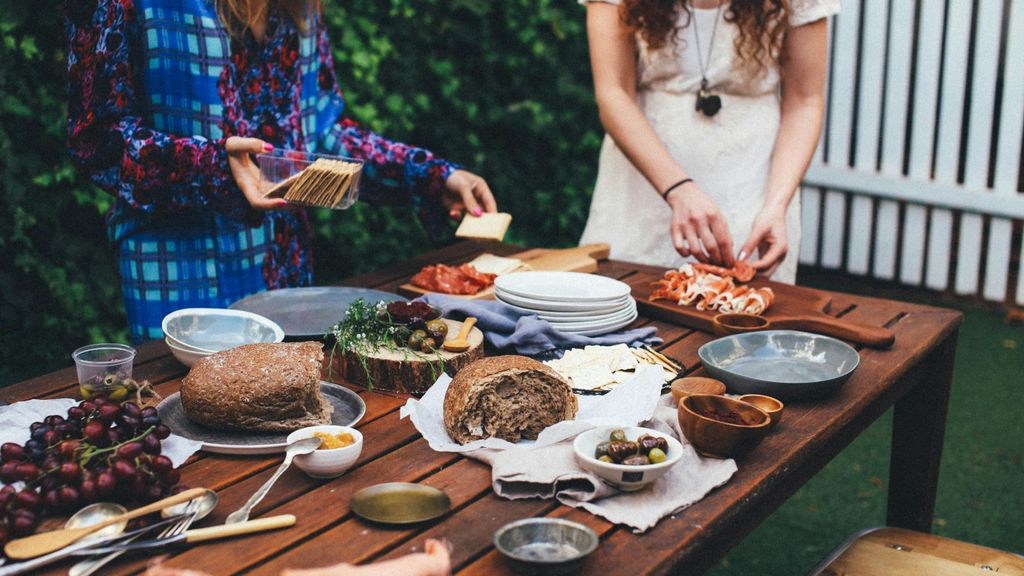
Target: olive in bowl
{"x":339,"y":450}
{"x":629,"y":457}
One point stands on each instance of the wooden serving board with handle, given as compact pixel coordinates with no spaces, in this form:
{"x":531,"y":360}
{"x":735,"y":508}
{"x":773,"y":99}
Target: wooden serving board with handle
{"x":579,"y":259}
{"x":794,"y":308}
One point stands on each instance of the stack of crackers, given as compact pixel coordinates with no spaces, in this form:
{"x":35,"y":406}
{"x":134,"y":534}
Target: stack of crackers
{"x":325,"y":183}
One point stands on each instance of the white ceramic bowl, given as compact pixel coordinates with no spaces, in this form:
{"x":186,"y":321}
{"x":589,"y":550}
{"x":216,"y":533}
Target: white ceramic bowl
{"x":211,"y":330}
{"x":327,"y":463}
{"x":628,"y":478}
{"x":186,"y":356}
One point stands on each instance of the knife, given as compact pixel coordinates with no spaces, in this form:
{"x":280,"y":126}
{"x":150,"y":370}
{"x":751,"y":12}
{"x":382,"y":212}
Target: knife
{"x":81,"y":548}
{"x":200,"y":535}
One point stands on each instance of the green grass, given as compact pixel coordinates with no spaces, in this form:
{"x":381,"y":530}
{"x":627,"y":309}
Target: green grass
{"x":981,"y":481}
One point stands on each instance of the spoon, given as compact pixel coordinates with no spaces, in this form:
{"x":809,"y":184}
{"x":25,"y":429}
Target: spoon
{"x":45,"y":542}
{"x":192,"y":511}
{"x":91,"y":514}
{"x":304,"y":446}
{"x":461,"y":342}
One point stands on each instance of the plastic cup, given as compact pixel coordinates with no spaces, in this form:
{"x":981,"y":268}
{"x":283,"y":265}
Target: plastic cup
{"x":101,"y":367}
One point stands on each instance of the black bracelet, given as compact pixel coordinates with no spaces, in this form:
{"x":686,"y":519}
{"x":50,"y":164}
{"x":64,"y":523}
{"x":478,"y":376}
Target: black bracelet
{"x":664,"y":195}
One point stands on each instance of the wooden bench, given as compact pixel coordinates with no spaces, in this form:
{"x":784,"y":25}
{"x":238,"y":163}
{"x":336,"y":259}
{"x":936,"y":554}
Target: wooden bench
{"x":901,"y":552}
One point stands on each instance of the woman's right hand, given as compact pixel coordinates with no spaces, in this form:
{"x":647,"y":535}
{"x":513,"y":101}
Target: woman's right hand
{"x":247,"y":173}
{"x":698,"y":228}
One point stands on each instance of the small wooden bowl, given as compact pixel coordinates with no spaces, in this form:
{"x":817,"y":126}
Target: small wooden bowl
{"x":683,"y":387}
{"x":717,"y":438}
{"x":736,"y":323}
{"x":771,"y":406}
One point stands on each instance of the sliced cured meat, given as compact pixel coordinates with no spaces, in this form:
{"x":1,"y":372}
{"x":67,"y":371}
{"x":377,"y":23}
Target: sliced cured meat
{"x":742,"y":271}
{"x":464,"y":279}
{"x":709,"y":287}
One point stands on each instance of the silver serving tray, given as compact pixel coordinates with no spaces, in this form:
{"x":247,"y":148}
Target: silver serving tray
{"x":348,"y":409}
{"x":307,"y":313}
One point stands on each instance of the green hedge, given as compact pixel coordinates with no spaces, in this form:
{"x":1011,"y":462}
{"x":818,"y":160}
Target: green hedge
{"x":502,"y":87}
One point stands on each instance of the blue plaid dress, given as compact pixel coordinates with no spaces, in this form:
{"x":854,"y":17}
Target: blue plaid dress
{"x":155,"y":88}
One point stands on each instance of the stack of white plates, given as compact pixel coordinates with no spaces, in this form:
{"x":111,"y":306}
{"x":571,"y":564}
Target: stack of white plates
{"x":584,"y":304}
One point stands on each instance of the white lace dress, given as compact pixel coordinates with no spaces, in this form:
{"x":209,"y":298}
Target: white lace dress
{"x":728,"y":155}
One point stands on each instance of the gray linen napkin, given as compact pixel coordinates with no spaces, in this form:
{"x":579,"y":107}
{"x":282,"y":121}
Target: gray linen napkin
{"x":506,"y":328}
{"x":552,"y":471}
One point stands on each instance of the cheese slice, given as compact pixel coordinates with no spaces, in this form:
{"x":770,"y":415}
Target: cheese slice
{"x":487,"y":226}
{"x":497,"y":265}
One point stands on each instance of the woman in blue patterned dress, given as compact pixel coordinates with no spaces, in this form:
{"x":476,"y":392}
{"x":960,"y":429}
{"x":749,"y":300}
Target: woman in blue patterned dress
{"x":169,"y":99}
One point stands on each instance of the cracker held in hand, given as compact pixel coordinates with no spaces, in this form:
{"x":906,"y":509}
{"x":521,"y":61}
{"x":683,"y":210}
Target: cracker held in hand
{"x":487,"y":226}
{"x":324,"y":183}
{"x":507,"y":397}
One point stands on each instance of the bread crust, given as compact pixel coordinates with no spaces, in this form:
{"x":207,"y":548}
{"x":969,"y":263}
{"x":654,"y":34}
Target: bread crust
{"x":258,"y":387}
{"x":508,"y":397}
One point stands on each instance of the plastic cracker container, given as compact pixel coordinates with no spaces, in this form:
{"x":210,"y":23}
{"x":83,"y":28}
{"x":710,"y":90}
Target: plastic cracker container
{"x":279,"y":165}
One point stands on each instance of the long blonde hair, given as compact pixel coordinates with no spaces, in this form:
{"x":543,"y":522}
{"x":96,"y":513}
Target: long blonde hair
{"x":241,"y":16}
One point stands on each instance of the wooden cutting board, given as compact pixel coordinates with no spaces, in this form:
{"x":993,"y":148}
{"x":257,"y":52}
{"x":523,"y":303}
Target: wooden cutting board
{"x":795,"y":308}
{"x":579,"y":259}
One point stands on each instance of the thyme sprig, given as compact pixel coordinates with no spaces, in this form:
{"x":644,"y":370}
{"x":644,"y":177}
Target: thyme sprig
{"x":368,"y":328}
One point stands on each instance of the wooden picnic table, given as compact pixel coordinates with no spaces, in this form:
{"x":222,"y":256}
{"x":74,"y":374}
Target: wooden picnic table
{"x":914,"y":376}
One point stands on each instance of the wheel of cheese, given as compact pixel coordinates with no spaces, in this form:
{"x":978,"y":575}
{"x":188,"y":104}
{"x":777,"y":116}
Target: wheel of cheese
{"x":402,"y":370}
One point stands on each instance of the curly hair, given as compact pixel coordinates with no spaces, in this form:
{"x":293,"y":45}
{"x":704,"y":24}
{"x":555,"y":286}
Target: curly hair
{"x":241,"y":16}
{"x":761,"y":24}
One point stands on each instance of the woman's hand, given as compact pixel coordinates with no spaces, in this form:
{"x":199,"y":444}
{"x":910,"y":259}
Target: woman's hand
{"x":768,"y":237}
{"x":698,"y":227}
{"x":247,"y":173}
{"x":467,"y":191}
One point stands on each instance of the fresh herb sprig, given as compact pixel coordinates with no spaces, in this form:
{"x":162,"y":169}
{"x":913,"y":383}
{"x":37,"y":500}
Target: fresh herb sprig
{"x":368,"y":328}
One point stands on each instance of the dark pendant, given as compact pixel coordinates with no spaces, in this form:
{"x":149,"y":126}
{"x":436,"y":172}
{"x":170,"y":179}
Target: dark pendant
{"x":708,"y":103}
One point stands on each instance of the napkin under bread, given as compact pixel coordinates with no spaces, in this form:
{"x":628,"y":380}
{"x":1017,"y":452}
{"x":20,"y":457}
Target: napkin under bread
{"x":547,"y":468}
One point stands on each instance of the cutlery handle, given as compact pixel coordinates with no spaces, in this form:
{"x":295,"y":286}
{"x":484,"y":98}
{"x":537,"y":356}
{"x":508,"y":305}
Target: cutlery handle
{"x":270,"y":523}
{"x":29,"y":565}
{"x":154,"y":507}
{"x":242,"y":513}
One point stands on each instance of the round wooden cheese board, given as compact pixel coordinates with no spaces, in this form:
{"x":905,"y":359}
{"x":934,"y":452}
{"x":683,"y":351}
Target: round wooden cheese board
{"x":405,"y":371}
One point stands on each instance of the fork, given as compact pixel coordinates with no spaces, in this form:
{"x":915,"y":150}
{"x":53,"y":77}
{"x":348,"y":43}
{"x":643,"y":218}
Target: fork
{"x":91,"y":565}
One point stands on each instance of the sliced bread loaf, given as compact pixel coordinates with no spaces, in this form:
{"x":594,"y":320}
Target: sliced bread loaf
{"x":508,"y":397}
{"x":261,"y":387}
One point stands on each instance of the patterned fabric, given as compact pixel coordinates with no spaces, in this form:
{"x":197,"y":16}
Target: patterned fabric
{"x":156,"y":86}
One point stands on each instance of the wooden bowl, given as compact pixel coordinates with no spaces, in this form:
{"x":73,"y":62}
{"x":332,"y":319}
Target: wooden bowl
{"x":717,"y":438}
{"x":683,"y":387}
{"x":736,"y":323}
{"x":771,"y":406}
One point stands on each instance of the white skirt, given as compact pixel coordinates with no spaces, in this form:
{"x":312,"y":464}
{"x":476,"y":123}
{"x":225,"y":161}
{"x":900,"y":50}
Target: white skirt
{"x":728,"y":155}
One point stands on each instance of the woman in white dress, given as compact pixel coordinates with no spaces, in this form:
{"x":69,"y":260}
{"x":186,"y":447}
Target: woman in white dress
{"x":712,"y":111}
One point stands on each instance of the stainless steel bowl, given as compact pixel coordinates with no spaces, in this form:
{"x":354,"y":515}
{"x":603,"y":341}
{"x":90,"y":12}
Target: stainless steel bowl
{"x":785,"y":364}
{"x":545,"y":545}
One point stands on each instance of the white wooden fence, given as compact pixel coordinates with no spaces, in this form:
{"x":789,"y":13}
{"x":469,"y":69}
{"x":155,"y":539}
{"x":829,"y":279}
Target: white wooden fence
{"x":918,"y":177}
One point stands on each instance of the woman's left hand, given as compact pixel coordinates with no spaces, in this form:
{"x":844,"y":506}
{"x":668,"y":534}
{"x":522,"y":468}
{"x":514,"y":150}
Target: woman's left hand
{"x":768,"y":237}
{"x":467,"y":191}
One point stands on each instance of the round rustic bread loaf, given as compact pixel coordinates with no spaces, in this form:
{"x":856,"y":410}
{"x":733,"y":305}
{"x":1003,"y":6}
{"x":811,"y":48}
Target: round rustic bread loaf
{"x":262,"y":387}
{"x":508,"y":397}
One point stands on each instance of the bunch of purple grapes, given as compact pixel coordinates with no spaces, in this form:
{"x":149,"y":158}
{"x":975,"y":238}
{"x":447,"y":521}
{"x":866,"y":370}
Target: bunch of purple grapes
{"x":101,"y":450}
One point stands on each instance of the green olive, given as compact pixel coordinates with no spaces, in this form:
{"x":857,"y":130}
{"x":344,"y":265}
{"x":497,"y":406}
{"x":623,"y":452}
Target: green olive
{"x":428,"y":345}
{"x":416,"y":339}
{"x":637,"y":460}
{"x":618,"y":435}
{"x":657,"y":455}
{"x":606,"y":458}
{"x":438,"y":329}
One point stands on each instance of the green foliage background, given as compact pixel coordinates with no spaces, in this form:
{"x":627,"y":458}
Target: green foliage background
{"x":501,"y":87}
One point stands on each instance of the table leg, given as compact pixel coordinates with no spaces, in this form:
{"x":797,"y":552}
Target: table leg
{"x":919,"y":425}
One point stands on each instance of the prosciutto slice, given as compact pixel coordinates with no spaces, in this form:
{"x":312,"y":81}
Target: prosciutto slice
{"x":464,"y":279}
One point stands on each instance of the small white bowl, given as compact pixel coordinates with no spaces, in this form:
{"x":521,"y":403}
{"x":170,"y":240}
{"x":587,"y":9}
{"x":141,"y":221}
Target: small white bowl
{"x":628,"y":478}
{"x":327,"y":463}
{"x":212,"y":330}
{"x":186,"y":356}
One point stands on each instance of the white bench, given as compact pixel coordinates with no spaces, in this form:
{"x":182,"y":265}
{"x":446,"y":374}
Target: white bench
{"x":918,"y":178}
